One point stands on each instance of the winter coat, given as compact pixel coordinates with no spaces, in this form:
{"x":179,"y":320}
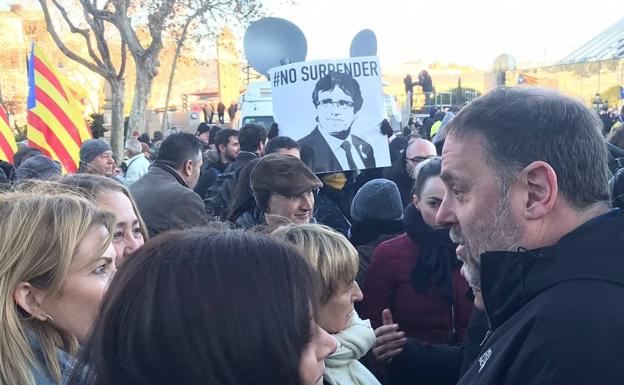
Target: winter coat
{"x":366,"y":236}
{"x":555,"y":312}
{"x":332,"y":207}
{"x":219,"y":195}
{"x":427,"y":316}
{"x":251,"y":219}
{"x":138,"y":166}
{"x":210,"y":172}
{"x":421,"y":363}
{"x":165,"y":201}
{"x":399,"y":175}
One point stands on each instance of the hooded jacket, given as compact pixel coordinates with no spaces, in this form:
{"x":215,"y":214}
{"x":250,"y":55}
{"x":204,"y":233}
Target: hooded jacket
{"x":555,"y":313}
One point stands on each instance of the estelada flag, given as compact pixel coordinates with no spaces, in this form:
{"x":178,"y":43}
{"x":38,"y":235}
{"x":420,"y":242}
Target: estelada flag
{"x":8,"y":147}
{"x":55,"y":114}
{"x":527,"y":80}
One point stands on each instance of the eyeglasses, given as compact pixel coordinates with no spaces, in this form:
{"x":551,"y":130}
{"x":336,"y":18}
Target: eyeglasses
{"x":340,"y":103}
{"x":418,"y":159}
{"x":305,"y":194}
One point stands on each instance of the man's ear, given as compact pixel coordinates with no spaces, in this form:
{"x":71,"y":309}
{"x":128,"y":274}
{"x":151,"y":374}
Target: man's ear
{"x":541,"y":189}
{"x":29,"y":299}
{"x":188,"y":167}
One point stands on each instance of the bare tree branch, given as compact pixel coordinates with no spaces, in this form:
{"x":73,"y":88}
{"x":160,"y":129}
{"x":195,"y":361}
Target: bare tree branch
{"x":122,"y":67}
{"x":128,"y":35}
{"x":66,"y":51}
{"x":81,"y":31}
{"x":97,"y":26}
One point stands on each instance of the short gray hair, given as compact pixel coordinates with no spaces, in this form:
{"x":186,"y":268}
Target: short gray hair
{"x":134,"y":146}
{"x":523,"y":125}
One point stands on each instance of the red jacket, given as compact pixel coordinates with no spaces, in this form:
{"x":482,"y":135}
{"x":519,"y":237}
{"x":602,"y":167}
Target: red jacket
{"x":426,"y":317}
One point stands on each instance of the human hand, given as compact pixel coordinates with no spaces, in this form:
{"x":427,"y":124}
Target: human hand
{"x":389,"y":341}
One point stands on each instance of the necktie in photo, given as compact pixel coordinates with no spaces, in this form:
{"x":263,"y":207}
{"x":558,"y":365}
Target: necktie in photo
{"x":346,"y":146}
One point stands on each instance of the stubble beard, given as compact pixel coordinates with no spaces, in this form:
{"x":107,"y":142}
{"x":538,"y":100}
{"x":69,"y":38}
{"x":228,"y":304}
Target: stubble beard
{"x":500,"y":233}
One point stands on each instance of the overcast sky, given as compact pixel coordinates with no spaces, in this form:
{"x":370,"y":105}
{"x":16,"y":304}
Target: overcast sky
{"x":470,"y":32}
{"x":466,"y":32}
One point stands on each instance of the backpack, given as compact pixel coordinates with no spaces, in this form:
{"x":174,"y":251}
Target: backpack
{"x":218,"y":196}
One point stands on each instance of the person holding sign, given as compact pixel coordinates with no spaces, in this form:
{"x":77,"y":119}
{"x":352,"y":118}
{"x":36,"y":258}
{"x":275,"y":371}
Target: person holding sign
{"x":331,"y":146}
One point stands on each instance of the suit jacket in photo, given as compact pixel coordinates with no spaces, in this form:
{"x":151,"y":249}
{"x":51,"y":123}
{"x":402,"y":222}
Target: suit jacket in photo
{"x":318,"y":155}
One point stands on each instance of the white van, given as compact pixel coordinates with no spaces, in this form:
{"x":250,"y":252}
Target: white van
{"x":256,"y":105}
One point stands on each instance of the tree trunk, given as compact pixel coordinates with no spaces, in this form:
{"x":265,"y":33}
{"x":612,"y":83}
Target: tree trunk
{"x":174,"y":64}
{"x":145,"y":74}
{"x":117,"y":117}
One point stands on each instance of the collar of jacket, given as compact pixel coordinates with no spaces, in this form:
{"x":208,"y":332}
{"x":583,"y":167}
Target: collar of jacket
{"x":39,"y":370}
{"x":246,"y":155}
{"x":591,"y":252}
{"x":160,"y":167}
{"x":217,"y":164}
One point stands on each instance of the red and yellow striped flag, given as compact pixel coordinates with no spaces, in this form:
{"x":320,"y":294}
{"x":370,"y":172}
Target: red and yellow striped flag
{"x":8,"y":147}
{"x":55,"y":114}
{"x":524,"y":79}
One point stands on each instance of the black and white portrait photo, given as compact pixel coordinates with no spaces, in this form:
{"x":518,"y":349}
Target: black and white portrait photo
{"x":331,"y":145}
{"x":333,"y":110}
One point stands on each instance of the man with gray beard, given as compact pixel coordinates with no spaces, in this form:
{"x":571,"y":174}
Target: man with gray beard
{"x":527,"y":200}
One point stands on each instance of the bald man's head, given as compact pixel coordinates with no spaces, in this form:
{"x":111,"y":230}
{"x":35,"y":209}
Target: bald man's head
{"x":418,"y":150}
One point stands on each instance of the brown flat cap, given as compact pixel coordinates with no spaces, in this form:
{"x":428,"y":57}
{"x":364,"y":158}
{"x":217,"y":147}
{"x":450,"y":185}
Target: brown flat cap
{"x":284,"y":175}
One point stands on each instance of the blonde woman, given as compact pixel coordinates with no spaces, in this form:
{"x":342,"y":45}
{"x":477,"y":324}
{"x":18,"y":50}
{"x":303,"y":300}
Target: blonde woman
{"x":336,"y":262}
{"x":56,"y":259}
{"x":130,"y":232}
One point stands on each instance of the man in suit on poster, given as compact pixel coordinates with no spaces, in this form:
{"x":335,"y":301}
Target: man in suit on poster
{"x":331,"y":146}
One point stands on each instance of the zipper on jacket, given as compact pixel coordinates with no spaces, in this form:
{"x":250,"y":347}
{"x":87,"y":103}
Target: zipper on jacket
{"x":487,"y":335}
{"x":453,"y":336}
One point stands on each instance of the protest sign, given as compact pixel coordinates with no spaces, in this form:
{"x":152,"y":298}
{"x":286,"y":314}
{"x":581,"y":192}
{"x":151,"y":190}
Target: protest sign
{"x":334,"y":109}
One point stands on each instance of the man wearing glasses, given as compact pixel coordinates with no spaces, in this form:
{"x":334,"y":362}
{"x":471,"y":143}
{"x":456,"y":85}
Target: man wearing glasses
{"x":284,"y":190}
{"x":331,"y":146}
{"x":402,"y":170}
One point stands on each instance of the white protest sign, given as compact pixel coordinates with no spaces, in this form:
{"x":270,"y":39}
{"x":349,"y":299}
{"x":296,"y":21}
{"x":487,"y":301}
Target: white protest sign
{"x":333,"y":109}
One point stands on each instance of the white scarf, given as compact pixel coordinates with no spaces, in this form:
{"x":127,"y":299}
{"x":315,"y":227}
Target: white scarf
{"x":343,"y":367}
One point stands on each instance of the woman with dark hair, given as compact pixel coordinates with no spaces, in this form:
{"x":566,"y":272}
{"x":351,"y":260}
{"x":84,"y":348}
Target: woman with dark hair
{"x":417,"y":275}
{"x":222,"y":308}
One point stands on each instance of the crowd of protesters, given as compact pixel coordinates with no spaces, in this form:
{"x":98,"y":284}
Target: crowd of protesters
{"x":487,"y":253}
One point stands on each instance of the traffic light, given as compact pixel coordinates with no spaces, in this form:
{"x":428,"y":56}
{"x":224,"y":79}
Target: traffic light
{"x":185,"y":102}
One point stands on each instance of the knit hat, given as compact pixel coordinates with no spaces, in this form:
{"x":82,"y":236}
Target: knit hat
{"x":38,"y":167}
{"x":377,"y":200}
{"x":284,"y":175}
{"x":92,"y":148}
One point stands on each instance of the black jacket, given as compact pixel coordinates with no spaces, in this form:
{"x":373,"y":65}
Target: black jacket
{"x":427,"y":364}
{"x":210,"y":172}
{"x":318,"y":155}
{"x":399,"y":175}
{"x":219,"y":195}
{"x":366,"y":236}
{"x":556,"y":313}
